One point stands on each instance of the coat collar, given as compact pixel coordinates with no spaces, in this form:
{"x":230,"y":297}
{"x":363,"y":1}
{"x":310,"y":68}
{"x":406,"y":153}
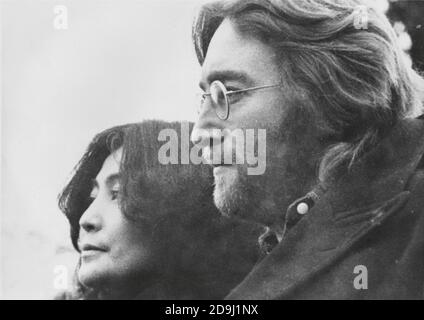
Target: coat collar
{"x":342,"y":214}
{"x":384,"y":171}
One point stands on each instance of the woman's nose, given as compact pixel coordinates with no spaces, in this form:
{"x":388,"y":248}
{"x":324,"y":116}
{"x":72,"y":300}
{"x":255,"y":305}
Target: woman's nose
{"x":90,"y":220}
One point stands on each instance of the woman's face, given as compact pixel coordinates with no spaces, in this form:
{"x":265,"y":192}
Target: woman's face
{"x":113,"y":249}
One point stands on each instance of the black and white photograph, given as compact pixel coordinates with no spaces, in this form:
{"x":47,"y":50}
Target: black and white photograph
{"x":214,"y":150}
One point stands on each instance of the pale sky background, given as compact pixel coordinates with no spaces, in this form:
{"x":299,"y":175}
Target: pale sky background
{"x":118,"y":62}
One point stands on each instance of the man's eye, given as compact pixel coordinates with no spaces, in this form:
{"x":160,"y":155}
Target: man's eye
{"x":235,"y":97}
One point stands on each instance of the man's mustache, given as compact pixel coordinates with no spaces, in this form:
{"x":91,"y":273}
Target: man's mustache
{"x":233,"y":147}
{"x":216,"y":155}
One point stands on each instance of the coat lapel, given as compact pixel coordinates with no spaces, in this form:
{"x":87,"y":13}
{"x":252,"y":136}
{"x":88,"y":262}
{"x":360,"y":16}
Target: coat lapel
{"x":312,"y":246}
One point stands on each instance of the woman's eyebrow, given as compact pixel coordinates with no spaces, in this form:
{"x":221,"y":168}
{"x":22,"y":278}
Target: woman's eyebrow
{"x":113,"y":178}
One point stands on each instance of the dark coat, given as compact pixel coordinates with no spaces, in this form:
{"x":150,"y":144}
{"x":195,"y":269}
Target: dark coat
{"x":372,"y":217}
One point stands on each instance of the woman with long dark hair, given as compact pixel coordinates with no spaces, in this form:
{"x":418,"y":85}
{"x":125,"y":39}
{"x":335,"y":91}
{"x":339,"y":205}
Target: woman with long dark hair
{"x":147,"y":230}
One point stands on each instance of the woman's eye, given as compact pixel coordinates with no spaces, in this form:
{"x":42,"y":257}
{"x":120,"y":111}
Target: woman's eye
{"x":114,"y":194}
{"x":93,"y":195}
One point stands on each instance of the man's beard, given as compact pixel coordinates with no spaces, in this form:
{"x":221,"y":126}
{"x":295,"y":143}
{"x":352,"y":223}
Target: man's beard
{"x":238,"y":195}
{"x":231,"y":192}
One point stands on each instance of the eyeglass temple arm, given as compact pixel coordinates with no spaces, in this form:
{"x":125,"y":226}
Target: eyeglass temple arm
{"x":254,"y":88}
{"x":243,"y":90}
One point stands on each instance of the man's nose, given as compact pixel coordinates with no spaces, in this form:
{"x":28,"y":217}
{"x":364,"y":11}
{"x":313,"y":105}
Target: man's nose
{"x":91,"y":220}
{"x":206,"y":124}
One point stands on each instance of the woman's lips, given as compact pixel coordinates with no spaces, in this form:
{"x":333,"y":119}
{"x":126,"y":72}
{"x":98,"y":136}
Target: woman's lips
{"x":89,"y":247}
{"x":90,"y":253}
{"x":88,"y":250}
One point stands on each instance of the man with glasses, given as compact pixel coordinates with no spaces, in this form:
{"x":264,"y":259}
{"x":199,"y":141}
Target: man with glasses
{"x":342,"y":193}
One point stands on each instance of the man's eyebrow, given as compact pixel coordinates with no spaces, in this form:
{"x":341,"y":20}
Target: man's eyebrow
{"x":226,"y":75}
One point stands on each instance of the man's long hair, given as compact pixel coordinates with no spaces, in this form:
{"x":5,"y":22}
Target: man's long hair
{"x":352,"y":77}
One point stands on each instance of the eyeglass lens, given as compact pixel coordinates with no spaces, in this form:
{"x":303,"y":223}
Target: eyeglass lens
{"x":219,"y":99}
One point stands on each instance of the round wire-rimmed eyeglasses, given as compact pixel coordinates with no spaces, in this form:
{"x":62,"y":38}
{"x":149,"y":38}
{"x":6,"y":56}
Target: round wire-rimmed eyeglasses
{"x":219,"y":97}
